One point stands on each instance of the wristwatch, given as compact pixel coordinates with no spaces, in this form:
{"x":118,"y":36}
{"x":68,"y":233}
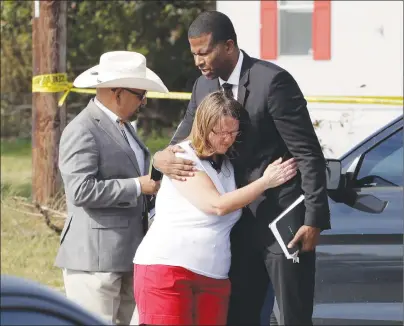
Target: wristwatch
{"x":155,"y":174}
{"x":153,"y":166}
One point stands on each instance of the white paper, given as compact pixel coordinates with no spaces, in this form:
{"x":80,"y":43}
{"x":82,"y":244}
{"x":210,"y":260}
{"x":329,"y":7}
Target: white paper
{"x":278,"y":237}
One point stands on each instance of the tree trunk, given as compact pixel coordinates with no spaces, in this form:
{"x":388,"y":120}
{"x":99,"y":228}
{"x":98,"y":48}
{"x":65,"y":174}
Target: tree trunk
{"x":48,"y":121}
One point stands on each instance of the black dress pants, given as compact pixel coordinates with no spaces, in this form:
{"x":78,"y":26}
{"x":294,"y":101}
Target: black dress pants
{"x":294,"y":286}
{"x":248,"y":277}
{"x":250,"y":272}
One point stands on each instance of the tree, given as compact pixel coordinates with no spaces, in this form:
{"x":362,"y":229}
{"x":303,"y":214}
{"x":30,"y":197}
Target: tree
{"x":158,"y":29}
{"x":16,"y":47}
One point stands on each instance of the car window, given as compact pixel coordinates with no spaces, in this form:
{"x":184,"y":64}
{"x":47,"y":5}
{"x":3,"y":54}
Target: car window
{"x":383,"y":164}
{"x":29,"y":317}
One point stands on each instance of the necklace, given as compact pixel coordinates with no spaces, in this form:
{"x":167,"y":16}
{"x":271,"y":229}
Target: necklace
{"x":216,"y":165}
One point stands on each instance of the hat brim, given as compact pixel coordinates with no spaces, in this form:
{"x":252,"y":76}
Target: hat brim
{"x":151,"y":82}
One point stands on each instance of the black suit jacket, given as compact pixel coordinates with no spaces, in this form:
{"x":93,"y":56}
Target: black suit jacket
{"x":276,"y":124}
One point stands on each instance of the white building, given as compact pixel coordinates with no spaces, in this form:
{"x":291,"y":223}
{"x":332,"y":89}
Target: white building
{"x":336,"y":48}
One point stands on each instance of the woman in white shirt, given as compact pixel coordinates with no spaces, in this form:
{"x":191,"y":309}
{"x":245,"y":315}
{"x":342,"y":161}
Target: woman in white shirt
{"x":182,"y":264}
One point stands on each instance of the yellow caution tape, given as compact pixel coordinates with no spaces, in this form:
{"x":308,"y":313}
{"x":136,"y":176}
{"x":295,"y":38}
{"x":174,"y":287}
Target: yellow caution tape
{"x":171,"y":95}
{"x":386,"y":100}
{"x":57,"y":83}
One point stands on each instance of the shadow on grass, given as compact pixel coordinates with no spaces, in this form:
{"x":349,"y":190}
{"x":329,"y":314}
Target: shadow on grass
{"x":16,"y":147}
{"x":22,"y":190}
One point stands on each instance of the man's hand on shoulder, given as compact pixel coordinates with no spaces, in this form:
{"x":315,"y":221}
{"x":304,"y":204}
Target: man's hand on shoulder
{"x":174,"y":167}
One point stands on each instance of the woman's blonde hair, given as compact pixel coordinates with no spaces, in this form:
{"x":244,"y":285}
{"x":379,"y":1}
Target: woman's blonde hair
{"x":213,"y":107}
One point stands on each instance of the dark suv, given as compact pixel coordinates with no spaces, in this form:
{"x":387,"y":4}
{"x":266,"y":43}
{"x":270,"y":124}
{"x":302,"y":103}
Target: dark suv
{"x":360,"y":260}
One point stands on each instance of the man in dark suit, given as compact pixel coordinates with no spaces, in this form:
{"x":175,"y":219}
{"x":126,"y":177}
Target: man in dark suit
{"x":276,"y":124}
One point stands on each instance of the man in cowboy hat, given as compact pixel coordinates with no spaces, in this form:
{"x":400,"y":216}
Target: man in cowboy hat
{"x":104,"y":166}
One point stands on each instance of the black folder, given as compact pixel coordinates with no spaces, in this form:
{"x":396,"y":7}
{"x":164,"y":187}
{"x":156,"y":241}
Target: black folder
{"x":284,"y":228}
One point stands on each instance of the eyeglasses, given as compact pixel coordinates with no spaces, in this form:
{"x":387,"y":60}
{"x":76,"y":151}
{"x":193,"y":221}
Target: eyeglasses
{"x":138,"y":95}
{"x":223,"y":134}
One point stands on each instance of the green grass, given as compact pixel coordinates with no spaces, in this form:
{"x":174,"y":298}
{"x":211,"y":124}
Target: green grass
{"x":28,"y":246}
{"x":156,"y":143}
{"x":16,"y":148}
{"x":16,"y":168}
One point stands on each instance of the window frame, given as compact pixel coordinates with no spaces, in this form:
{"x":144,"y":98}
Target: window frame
{"x":294,"y":7}
{"x":363,"y":157}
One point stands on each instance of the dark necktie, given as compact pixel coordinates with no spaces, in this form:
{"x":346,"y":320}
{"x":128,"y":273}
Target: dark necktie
{"x":121,"y":124}
{"x":145,"y":217}
{"x":228,"y":89}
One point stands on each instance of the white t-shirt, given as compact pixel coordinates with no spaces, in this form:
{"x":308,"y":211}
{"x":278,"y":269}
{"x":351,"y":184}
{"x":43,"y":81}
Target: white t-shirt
{"x":182,"y":235}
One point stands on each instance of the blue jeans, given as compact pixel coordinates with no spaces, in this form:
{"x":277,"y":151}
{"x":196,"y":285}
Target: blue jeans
{"x":268,"y":305}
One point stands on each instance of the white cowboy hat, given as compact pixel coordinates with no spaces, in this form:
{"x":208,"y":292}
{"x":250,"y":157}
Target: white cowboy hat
{"x":121,"y":69}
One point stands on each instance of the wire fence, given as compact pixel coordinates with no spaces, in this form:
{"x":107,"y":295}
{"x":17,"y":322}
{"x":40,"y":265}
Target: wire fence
{"x":161,"y":116}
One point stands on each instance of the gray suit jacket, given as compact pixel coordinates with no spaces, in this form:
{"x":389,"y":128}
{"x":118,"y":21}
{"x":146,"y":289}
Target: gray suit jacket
{"x":104,"y":224}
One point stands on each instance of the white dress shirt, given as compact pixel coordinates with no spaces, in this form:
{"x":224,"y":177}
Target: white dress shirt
{"x":234,"y":78}
{"x":140,"y":157}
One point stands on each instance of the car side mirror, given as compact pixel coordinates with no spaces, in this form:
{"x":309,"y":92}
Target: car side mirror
{"x":345,"y":193}
{"x":369,"y":203}
{"x":333,"y":174}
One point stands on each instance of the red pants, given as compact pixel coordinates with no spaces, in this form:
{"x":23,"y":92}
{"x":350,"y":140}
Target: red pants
{"x":170,"y":295}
